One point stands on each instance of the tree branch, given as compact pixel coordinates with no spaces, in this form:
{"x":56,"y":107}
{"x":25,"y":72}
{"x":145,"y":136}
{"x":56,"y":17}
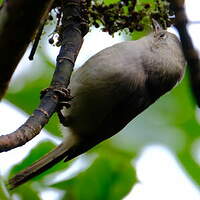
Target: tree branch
{"x":19,"y":21}
{"x":189,"y":51}
{"x":73,"y":30}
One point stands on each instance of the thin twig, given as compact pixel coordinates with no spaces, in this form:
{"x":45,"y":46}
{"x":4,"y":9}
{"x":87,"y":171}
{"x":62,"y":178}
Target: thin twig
{"x":71,"y":40}
{"x":189,"y":51}
{"x":36,"y":41}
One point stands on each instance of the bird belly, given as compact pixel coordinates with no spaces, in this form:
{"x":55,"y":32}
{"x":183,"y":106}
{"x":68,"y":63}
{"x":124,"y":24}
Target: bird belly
{"x":94,"y":101}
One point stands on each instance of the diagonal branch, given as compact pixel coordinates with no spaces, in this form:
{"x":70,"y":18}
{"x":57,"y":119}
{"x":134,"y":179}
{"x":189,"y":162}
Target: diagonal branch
{"x":72,"y":37}
{"x":189,"y":51}
{"x":18,"y":23}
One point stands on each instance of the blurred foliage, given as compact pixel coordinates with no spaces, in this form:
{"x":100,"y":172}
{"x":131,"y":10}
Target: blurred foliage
{"x":118,"y":16}
{"x":129,"y":15}
{"x":171,"y":122}
{"x":32,"y":89}
{"x":102,"y":179}
{"x":41,"y":149}
{"x":4,"y":194}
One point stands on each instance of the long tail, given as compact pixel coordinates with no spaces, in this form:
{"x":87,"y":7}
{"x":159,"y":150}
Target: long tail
{"x":47,"y":161}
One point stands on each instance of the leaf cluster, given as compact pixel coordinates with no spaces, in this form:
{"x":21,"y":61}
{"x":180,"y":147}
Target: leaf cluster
{"x":129,"y":15}
{"x":117,"y":16}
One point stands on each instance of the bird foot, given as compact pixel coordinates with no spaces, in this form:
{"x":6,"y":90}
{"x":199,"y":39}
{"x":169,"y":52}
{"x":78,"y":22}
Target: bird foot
{"x":62,"y":92}
{"x":64,"y":98}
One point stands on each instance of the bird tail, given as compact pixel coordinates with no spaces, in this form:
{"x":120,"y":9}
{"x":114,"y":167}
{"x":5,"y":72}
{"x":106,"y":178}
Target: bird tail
{"x":46,"y":162}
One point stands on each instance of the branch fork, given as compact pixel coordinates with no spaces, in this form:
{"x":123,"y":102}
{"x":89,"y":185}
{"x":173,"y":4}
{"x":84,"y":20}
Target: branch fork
{"x":74,"y":27}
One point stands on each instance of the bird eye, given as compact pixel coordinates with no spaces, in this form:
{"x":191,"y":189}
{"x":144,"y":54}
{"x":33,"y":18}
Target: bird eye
{"x":162,"y":35}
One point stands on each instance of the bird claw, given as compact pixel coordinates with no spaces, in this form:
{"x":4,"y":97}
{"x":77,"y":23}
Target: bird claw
{"x":62,"y":92}
{"x":64,"y":96}
{"x":61,"y":118}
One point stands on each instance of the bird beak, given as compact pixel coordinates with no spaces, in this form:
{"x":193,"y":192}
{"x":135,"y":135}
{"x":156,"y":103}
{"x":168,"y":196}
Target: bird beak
{"x":157,"y":26}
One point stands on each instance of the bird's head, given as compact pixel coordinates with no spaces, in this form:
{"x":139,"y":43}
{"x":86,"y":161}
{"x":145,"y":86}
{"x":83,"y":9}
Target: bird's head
{"x":166,"y":44}
{"x":163,"y":38}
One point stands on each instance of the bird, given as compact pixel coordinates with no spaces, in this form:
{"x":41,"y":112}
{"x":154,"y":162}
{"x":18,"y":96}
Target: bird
{"x":111,"y":89}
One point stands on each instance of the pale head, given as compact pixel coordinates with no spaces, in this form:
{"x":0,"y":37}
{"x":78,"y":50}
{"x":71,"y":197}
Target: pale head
{"x":163,"y":37}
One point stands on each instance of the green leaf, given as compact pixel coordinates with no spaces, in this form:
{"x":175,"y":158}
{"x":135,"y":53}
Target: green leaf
{"x":4,"y":194}
{"x":38,"y":151}
{"x":107,"y":2}
{"x":111,"y":176}
{"x":28,"y":97}
{"x":26,"y":192}
{"x":191,"y":167}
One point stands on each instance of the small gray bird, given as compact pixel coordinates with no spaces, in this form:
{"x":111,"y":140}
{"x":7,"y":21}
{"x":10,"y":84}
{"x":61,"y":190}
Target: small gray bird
{"x":109,"y":90}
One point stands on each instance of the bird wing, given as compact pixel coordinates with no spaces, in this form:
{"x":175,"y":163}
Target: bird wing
{"x":114,"y":122}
